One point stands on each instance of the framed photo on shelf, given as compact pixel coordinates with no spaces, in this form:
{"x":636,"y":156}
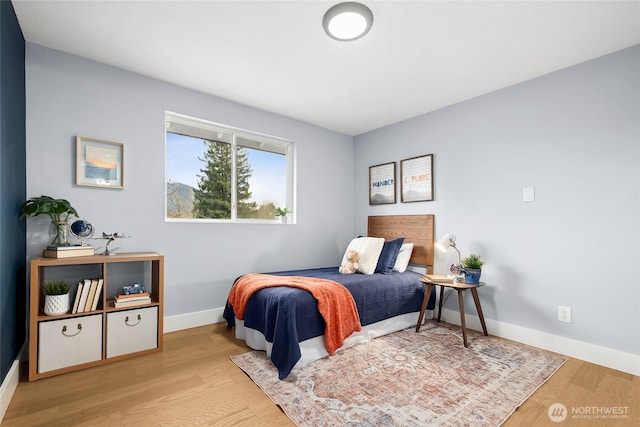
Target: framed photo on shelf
{"x":416,"y":179}
{"x":99,"y":163}
{"x":382,"y":184}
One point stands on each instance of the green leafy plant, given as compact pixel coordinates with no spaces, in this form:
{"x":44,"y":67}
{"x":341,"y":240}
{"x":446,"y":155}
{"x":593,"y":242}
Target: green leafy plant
{"x":57,"y":209}
{"x":282,"y":211}
{"x":56,"y":287}
{"x":472,"y":261}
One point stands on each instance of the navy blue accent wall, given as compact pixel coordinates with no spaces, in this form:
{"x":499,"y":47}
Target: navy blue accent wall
{"x":13,"y":287}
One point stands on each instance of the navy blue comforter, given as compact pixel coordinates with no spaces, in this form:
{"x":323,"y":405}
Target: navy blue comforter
{"x":287,"y":316}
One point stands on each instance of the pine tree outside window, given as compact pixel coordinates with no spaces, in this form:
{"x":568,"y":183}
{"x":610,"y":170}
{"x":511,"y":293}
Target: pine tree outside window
{"x":216,"y":173}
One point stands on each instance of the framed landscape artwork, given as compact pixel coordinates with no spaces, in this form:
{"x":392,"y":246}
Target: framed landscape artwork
{"x":382,"y":184}
{"x":416,"y":179}
{"x":99,"y":163}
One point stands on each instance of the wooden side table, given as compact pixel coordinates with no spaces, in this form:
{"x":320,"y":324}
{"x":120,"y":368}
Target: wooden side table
{"x":460,"y":287}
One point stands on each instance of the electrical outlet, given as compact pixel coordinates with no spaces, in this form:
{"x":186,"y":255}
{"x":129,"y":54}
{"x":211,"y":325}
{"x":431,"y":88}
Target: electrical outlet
{"x":564,"y":314}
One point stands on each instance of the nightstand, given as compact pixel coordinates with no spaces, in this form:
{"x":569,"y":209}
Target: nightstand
{"x":460,"y":287}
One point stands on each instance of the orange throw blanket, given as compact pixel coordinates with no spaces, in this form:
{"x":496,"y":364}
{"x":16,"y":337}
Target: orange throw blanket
{"x":335,"y":303}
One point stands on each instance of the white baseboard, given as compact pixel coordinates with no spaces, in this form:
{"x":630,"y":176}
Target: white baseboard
{"x":192,"y":320}
{"x":208,"y":317}
{"x":9,"y":385}
{"x":614,"y":359}
{"x":611,"y":358}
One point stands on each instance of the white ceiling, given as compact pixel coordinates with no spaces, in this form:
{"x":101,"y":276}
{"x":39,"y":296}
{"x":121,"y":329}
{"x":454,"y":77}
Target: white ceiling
{"x":419,"y":55}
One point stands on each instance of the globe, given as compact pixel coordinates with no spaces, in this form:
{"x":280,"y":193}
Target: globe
{"x":81,"y":229}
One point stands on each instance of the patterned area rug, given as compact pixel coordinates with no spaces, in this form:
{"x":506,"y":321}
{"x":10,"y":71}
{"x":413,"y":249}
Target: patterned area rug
{"x":408,"y":379}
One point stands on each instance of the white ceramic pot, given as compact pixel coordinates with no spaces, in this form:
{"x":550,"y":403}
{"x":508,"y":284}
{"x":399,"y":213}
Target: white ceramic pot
{"x":56,"y":304}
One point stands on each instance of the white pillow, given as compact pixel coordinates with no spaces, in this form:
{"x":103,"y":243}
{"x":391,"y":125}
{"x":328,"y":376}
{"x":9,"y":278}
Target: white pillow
{"x":403,"y":257}
{"x":369,"y":249}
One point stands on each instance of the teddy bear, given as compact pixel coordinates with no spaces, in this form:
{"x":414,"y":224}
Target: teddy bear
{"x":351,"y":264}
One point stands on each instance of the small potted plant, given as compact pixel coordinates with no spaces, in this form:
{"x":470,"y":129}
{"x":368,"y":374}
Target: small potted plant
{"x":282,"y":213}
{"x":56,"y":300}
{"x":472,"y":268}
{"x":58,"y":210}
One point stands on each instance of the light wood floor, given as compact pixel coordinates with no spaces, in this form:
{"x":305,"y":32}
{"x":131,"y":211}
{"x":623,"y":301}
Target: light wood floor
{"x":193,"y":383}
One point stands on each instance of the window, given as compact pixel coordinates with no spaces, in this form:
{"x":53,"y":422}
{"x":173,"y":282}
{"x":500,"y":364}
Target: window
{"x":218,"y":173}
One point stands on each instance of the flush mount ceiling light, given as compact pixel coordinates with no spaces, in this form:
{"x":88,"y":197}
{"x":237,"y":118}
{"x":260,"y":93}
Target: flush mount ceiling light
{"x":347,"y":21}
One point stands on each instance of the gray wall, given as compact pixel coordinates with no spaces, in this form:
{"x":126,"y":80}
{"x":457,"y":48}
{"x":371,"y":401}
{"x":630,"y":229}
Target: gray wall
{"x":575,"y":136}
{"x":68,"y":95}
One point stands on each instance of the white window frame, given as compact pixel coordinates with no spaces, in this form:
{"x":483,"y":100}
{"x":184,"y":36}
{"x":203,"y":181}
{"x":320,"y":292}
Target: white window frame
{"x":280,"y":145}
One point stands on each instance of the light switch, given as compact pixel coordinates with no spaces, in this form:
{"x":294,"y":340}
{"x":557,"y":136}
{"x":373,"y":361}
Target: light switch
{"x":528,"y":194}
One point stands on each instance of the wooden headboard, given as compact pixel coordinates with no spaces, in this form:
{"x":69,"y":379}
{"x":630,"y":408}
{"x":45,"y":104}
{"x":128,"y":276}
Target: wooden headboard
{"x":416,"y":229}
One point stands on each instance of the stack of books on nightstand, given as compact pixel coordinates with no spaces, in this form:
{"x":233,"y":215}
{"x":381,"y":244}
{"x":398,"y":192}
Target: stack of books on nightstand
{"x":437,"y":278}
{"x":131,"y":300}
{"x":68,"y":251}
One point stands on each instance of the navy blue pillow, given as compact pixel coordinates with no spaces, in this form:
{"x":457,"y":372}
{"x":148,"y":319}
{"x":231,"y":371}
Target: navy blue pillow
{"x":388,"y":256}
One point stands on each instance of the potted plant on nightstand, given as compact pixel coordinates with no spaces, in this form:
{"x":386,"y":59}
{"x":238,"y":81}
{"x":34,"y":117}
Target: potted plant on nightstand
{"x":282,"y":213}
{"x":56,"y":300}
{"x":472,"y":268}
{"x":58,"y":210}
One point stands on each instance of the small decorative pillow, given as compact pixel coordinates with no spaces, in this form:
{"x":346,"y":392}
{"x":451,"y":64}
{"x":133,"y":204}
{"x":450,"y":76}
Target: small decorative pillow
{"x":388,"y":256}
{"x":369,"y":249}
{"x":402,"y":262}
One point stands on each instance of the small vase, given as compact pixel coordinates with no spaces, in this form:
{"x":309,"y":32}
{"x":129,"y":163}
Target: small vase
{"x":472,"y":275}
{"x":56,"y":304}
{"x":283,"y":219}
{"x":61,"y":236}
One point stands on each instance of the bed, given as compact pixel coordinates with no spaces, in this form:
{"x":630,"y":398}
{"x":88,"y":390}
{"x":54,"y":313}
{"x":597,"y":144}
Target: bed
{"x":286,"y":321}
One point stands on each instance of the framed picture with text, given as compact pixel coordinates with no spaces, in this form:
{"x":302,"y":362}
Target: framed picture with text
{"x":382,"y":184}
{"x":416,"y":179}
{"x":99,"y":163}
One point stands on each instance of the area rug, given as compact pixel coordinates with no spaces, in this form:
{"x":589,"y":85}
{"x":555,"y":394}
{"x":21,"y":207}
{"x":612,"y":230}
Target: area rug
{"x":408,"y":379}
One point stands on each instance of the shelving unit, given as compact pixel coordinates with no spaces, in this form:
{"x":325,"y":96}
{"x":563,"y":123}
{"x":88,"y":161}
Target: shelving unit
{"x":69,"y":342}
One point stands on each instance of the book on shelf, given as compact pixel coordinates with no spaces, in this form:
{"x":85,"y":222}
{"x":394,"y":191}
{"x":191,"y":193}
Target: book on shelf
{"x":131,"y":303}
{"x":91,"y":295}
{"x":86,"y":287}
{"x":132,"y":297}
{"x":68,"y":253}
{"x":69,"y":248}
{"x":89,"y":291}
{"x":76,"y":301}
{"x":437,"y":278}
{"x":96,"y":298}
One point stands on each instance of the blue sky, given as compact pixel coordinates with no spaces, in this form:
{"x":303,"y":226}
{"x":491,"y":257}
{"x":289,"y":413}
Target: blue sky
{"x":268,"y":181}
